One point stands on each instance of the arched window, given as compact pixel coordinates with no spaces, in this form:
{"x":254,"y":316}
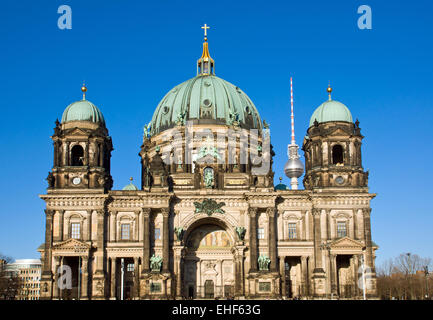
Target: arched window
{"x":77,"y":155}
{"x":337,"y":154}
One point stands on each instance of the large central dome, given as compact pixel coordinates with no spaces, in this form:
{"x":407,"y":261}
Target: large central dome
{"x":205,"y":99}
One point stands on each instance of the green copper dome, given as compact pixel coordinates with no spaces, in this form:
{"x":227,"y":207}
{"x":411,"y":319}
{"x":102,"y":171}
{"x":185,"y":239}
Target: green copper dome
{"x":83,"y":110}
{"x":130,"y":187}
{"x":205,"y":99}
{"x":331,"y":111}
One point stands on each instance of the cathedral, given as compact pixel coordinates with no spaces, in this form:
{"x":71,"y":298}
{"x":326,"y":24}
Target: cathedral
{"x":207,"y":221}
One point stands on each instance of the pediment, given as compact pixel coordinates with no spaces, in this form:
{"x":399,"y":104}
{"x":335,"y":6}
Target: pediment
{"x":208,"y":159}
{"x":346,"y":242}
{"x":338,"y":131}
{"x":72,"y":245}
{"x":77,"y":132}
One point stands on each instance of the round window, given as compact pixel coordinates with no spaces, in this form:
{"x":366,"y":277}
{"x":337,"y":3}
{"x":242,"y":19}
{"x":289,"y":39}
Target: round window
{"x":165,"y":109}
{"x":339,"y":180}
{"x":207,"y":103}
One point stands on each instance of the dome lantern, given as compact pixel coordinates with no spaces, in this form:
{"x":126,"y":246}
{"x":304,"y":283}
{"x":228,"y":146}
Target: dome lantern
{"x":331,"y":110}
{"x":205,"y":65}
{"x":83,"y":110}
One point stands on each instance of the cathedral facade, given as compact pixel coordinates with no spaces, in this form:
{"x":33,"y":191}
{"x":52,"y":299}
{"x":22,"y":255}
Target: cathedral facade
{"x":206,"y":220}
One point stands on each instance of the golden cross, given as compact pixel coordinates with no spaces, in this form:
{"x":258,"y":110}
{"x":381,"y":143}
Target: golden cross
{"x":205,"y":27}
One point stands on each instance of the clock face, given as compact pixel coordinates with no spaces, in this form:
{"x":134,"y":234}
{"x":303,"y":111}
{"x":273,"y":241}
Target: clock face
{"x":339,"y":180}
{"x":76,"y":180}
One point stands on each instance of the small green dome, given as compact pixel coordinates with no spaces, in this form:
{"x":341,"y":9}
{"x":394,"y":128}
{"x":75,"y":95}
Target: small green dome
{"x":130,"y":187}
{"x":205,"y":99}
{"x":83,"y":110}
{"x":331,"y":111}
{"x":280,"y":186}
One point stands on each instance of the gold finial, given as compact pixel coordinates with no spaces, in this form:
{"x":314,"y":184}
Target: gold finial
{"x":281,"y":179}
{"x":84,"y":90}
{"x":205,"y":65}
{"x":130,"y":179}
{"x":329,"y":90}
{"x":205,"y":27}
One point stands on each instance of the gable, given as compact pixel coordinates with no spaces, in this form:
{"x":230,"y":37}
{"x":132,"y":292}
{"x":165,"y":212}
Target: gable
{"x":346,"y":243}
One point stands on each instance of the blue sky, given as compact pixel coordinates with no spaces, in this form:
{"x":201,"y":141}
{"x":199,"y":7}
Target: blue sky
{"x":130,"y":53}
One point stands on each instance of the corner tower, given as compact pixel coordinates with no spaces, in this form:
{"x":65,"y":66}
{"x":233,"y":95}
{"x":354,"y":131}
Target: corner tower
{"x":332,"y":148}
{"x":82,"y":149}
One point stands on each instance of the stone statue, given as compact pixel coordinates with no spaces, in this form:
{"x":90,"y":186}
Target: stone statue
{"x":155,"y":263}
{"x":264,"y":262}
{"x":241,"y":232}
{"x":146,"y":131}
{"x":233,"y":118}
{"x":366,"y":178}
{"x":181,"y":117}
{"x":208,"y":178}
{"x":50,"y":179}
{"x":179,"y":233}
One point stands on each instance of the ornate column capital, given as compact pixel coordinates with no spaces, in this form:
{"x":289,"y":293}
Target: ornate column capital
{"x":252,"y":211}
{"x":145,"y":212}
{"x":100,"y":213}
{"x":366,"y":211}
{"x":165,"y":212}
{"x":270,"y":212}
{"x":316,"y":211}
{"x":49,"y":213}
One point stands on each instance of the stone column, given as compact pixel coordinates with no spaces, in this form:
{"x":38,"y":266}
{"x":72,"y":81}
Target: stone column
{"x":333,"y":273}
{"x":304,"y":272}
{"x":61,"y":216}
{"x":136,"y":231}
{"x":112,"y":236}
{"x":99,"y":281}
{"x":317,"y":241}
{"x":136,"y":278}
{"x":272,"y":239}
{"x":165,"y":241}
{"x":368,"y":244}
{"x":65,"y":146}
{"x":178,"y":259}
{"x":318,"y":273}
{"x":47,"y":276}
{"x":85,"y":278}
{"x":113,"y":278}
{"x":89,"y":225}
{"x":221,"y":284}
{"x":370,"y":274}
{"x":242,"y":272}
{"x":146,"y":241}
{"x":355,"y":273}
{"x":283,"y":276}
{"x":62,"y":259}
{"x":56,"y":153}
{"x":86,"y":154}
{"x":252,"y":212}
{"x":199,"y":290}
{"x":101,"y":155}
{"x":56,"y":278}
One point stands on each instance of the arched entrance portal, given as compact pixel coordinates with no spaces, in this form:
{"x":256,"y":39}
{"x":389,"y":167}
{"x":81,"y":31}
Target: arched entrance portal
{"x":209,"y":263}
